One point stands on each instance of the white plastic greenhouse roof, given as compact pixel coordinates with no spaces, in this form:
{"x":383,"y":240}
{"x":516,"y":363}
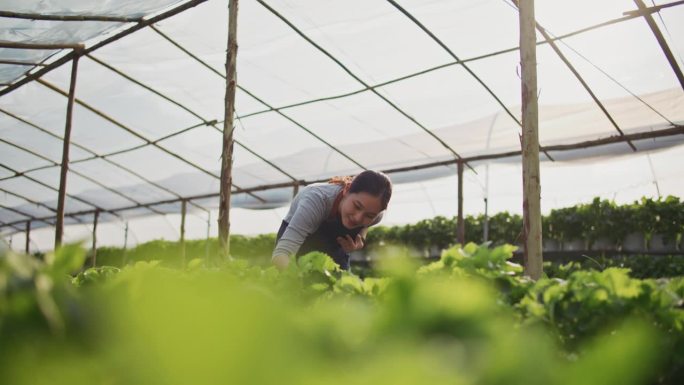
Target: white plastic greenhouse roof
{"x":327,"y":88}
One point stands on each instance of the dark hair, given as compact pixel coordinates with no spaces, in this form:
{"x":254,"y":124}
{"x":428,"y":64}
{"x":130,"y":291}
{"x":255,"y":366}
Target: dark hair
{"x":375,"y":183}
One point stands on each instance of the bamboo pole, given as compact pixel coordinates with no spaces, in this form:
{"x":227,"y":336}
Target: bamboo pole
{"x":182,"y":231}
{"x":460,"y":224}
{"x":95,"y":219}
{"x":28,"y":236}
{"x":530,"y":143}
{"x":485,"y":225}
{"x":206,"y":244}
{"x":40,"y":46}
{"x":59,"y":229}
{"x":227,"y":153}
{"x":125,"y":246}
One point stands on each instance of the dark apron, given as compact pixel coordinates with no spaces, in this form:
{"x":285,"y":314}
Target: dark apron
{"x":325,"y":240}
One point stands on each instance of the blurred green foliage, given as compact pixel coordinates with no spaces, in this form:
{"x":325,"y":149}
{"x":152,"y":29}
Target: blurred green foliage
{"x":469,"y":318}
{"x":257,"y":249}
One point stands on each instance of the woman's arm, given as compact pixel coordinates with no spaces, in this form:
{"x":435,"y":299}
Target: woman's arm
{"x":309,"y":212}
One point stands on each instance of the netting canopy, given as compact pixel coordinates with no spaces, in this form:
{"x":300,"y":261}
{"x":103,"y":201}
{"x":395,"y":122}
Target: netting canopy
{"x":327,"y":88}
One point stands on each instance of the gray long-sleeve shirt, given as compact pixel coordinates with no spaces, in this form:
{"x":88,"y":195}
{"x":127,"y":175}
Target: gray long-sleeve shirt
{"x":308,"y":210}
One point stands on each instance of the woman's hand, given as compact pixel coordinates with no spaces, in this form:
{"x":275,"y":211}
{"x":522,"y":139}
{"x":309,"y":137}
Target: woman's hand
{"x":350,"y":244}
{"x":281,"y":261}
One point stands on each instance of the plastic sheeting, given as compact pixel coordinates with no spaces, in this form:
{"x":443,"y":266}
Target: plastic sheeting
{"x":324,"y":89}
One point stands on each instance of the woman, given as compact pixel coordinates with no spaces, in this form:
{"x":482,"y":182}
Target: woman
{"x":333,"y":217}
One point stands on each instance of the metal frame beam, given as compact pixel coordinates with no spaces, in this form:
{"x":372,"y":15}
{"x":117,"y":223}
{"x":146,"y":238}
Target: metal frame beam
{"x":113,"y":38}
{"x":55,"y":17}
{"x":358,"y":79}
{"x":187,"y":52}
{"x":661,"y":41}
{"x":675,"y":130}
{"x":134,"y":133}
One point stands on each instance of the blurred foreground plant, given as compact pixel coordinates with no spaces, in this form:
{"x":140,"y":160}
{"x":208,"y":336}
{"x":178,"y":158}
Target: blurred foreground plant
{"x":449,"y":323}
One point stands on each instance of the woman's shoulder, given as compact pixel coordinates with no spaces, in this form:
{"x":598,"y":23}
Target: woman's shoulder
{"x":325,"y":191}
{"x":315,"y":200}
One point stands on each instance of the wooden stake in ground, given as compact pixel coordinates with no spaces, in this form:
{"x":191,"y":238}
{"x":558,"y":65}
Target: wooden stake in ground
{"x":227,"y":153}
{"x":182,"y":231}
{"x":59,"y":228}
{"x":530,"y":143}
{"x":125,"y":246}
{"x":95,"y":219}
{"x":28,"y":236}
{"x":460,"y":223}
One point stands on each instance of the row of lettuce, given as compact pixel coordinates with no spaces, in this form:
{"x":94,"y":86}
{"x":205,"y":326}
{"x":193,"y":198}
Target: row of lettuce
{"x":599,"y":220}
{"x":469,"y":318}
{"x":257,"y":250}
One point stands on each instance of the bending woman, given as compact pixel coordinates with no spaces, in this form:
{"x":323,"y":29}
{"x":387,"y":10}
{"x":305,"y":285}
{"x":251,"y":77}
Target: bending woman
{"x":333,"y":217}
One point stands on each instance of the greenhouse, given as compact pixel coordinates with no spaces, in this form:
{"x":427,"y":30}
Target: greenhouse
{"x":322,"y":90}
{"x":136,"y":136}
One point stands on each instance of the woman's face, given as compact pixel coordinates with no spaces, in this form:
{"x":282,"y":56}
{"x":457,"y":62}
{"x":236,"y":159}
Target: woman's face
{"x":359,"y":209}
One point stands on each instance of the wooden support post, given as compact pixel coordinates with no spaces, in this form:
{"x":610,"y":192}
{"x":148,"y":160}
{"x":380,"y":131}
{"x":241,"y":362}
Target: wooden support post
{"x":460,"y":224}
{"x":125,"y":246}
{"x":28,"y":236}
{"x":59,"y":229}
{"x":95,"y":219}
{"x":206,"y":245}
{"x":227,"y":153}
{"x":530,"y":143}
{"x":485,"y":229}
{"x":182,"y":231}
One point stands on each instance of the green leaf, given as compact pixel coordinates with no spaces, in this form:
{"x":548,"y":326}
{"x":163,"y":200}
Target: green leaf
{"x":318,"y":262}
{"x":349,"y":283}
{"x":622,"y":285}
{"x":375,"y":286}
{"x":66,"y":259}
